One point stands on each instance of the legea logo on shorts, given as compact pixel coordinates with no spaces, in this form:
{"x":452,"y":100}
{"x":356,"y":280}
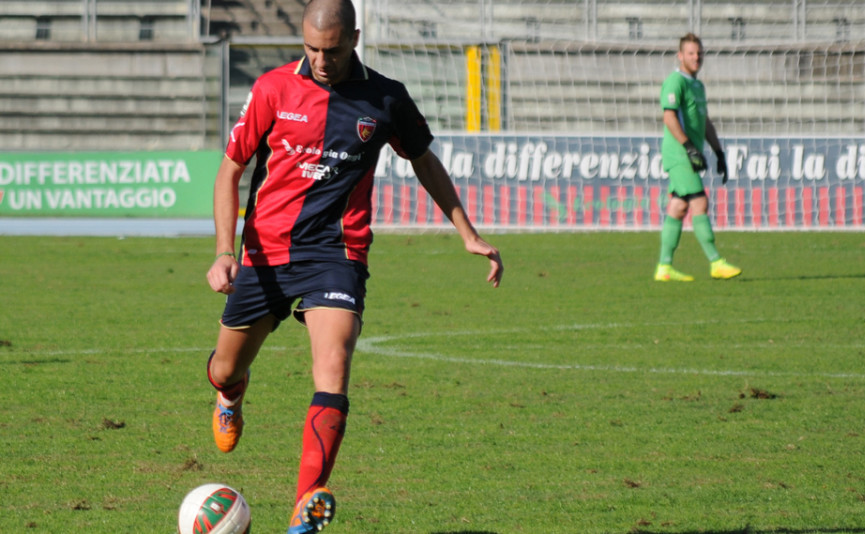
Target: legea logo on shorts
{"x":334,"y":295}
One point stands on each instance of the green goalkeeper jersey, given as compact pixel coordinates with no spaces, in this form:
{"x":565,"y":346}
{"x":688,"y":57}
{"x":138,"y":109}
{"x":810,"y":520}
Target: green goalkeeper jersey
{"x":687,"y":96}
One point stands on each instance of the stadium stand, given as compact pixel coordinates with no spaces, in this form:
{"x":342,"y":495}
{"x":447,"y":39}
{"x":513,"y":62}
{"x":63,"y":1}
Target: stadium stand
{"x":135,"y":77}
{"x":248,"y":18}
{"x":132,"y":78}
{"x":105,"y":20}
{"x":108,"y":97}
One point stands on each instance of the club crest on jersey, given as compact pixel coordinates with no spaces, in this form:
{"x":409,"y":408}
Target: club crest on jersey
{"x":365,"y":128}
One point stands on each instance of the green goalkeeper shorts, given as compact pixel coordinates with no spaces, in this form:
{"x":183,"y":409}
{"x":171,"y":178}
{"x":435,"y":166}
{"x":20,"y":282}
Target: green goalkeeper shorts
{"x":684,"y":181}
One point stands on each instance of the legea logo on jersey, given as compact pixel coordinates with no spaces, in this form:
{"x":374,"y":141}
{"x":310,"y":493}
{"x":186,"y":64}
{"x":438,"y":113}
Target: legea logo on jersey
{"x":289,"y":116}
{"x":365,"y":128}
{"x":314,"y":171}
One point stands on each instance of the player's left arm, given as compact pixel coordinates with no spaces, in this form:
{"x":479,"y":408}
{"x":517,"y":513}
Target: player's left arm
{"x":435,"y":179}
{"x":715,"y":143}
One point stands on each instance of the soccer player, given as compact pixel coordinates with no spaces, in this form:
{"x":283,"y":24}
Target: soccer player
{"x":316,"y":127}
{"x":686,"y":127}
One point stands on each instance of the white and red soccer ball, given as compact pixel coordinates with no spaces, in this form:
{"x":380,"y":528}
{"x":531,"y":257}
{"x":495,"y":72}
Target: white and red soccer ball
{"x":214,"y":509}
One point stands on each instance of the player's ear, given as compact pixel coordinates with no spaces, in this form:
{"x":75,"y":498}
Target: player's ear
{"x":355,"y":38}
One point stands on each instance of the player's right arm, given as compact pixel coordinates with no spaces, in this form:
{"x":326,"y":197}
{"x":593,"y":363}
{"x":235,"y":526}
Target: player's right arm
{"x":435,"y":179}
{"x":226,"y":201}
{"x":671,"y":121}
{"x":695,"y":157}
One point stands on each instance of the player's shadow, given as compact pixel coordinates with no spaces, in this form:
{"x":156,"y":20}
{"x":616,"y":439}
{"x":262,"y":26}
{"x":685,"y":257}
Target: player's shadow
{"x":804,"y":277}
{"x":749,"y":530}
{"x":32,"y":362}
{"x":745,"y":530}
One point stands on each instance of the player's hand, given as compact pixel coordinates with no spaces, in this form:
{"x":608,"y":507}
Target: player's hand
{"x":722,"y":166}
{"x":222,"y":273}
{"x":697,"y":159}
{"x":482,"y":248}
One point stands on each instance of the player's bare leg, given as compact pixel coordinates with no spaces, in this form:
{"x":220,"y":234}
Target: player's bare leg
{"x":228,"y":371}
{"x":333,"y":334}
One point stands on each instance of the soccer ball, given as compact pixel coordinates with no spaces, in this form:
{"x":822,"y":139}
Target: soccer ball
{"x":214,"y":509}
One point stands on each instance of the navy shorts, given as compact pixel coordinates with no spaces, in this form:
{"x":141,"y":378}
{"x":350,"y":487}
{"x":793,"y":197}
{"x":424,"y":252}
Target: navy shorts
{"x":260,"y":291}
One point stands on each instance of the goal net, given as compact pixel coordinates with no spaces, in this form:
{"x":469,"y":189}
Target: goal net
{"x":547,"y":112}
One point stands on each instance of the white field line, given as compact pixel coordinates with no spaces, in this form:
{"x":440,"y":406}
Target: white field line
{"x":376,"y":345}
{"x":389,"y":346}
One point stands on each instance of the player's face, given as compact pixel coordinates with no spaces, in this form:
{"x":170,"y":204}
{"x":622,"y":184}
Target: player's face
{"x":690,"y":58}
{"x":329,"y":52}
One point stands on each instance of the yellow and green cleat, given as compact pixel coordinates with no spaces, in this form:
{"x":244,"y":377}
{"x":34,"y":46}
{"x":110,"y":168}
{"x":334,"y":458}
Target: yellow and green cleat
{"x":721,"y":270}
{"x":666,"y":273}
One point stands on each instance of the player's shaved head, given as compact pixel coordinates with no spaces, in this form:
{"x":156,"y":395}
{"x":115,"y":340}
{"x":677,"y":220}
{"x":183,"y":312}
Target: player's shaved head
{"x":328,"y":14}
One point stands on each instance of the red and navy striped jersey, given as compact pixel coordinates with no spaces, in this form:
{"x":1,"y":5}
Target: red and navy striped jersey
{"x":316,"y":149}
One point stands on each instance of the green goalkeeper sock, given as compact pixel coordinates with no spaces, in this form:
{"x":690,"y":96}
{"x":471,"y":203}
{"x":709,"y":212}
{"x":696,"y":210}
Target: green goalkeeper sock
{"x":671,"y":232}
{"x":705,"y":235}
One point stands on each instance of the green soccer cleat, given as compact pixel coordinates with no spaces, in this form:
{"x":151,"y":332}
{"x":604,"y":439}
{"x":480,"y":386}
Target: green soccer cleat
{"x":313,"y":512}
{"x":721,"y":270}
{"x":666,"y":273}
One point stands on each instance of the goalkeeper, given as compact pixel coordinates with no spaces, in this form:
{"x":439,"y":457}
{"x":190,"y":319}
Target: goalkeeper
{"x":686,"y":128}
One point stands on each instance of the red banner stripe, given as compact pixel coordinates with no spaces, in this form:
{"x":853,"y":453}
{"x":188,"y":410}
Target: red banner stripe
{"x":823,"y":200}
{"x":840,"y":206}
{"x":387,"y":204}
{"x":489,"y":204}
{"x":571,"y":204}
{"x":421,"y":205}
{"x":522,"y":205}
{"x":790,"y":208}
{"x":404,"y":204}
{"x":857,"y":206}
{"x":739,"y":206}
{"x":757,"y":207}
{"x":721,"y":209}
{"x":621,"y":212}
{"x":605,"y":206}
{"x":472,"y":202}
{"x":638,"y":206}
{"x":588,"y":199}
{"x":504,"y":205}
{"x":773,"y":207}
{"x":807,"y":206}
{"x":555,"y":207}
{"x":538,"y":205}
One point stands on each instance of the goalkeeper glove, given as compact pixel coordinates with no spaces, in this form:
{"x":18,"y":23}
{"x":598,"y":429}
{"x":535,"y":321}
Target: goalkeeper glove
{"x":722,"y":166}
{"x":697,"y":159}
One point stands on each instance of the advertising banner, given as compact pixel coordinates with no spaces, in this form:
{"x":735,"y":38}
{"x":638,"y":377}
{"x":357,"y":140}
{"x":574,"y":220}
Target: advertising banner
{"x":110,"y":184}
{"x":595,"y":182}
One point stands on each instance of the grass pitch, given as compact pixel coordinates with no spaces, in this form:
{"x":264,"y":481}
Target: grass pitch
{"x":580,"y":396}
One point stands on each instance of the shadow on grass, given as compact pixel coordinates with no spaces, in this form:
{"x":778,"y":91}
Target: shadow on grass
{"x":35,"y":362}
{"x":745,"y":530}
{"x":750,"y":530}
{"x":803,"y":278}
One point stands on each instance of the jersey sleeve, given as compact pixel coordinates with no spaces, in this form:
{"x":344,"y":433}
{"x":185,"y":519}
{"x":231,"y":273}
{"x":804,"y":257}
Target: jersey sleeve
{"x":256,"y":119}
{"x":671,"y":92}
{"x":412,"y":136}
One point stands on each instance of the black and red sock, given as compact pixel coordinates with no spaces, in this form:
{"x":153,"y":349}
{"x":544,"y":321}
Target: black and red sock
{"x":322,"y":436}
